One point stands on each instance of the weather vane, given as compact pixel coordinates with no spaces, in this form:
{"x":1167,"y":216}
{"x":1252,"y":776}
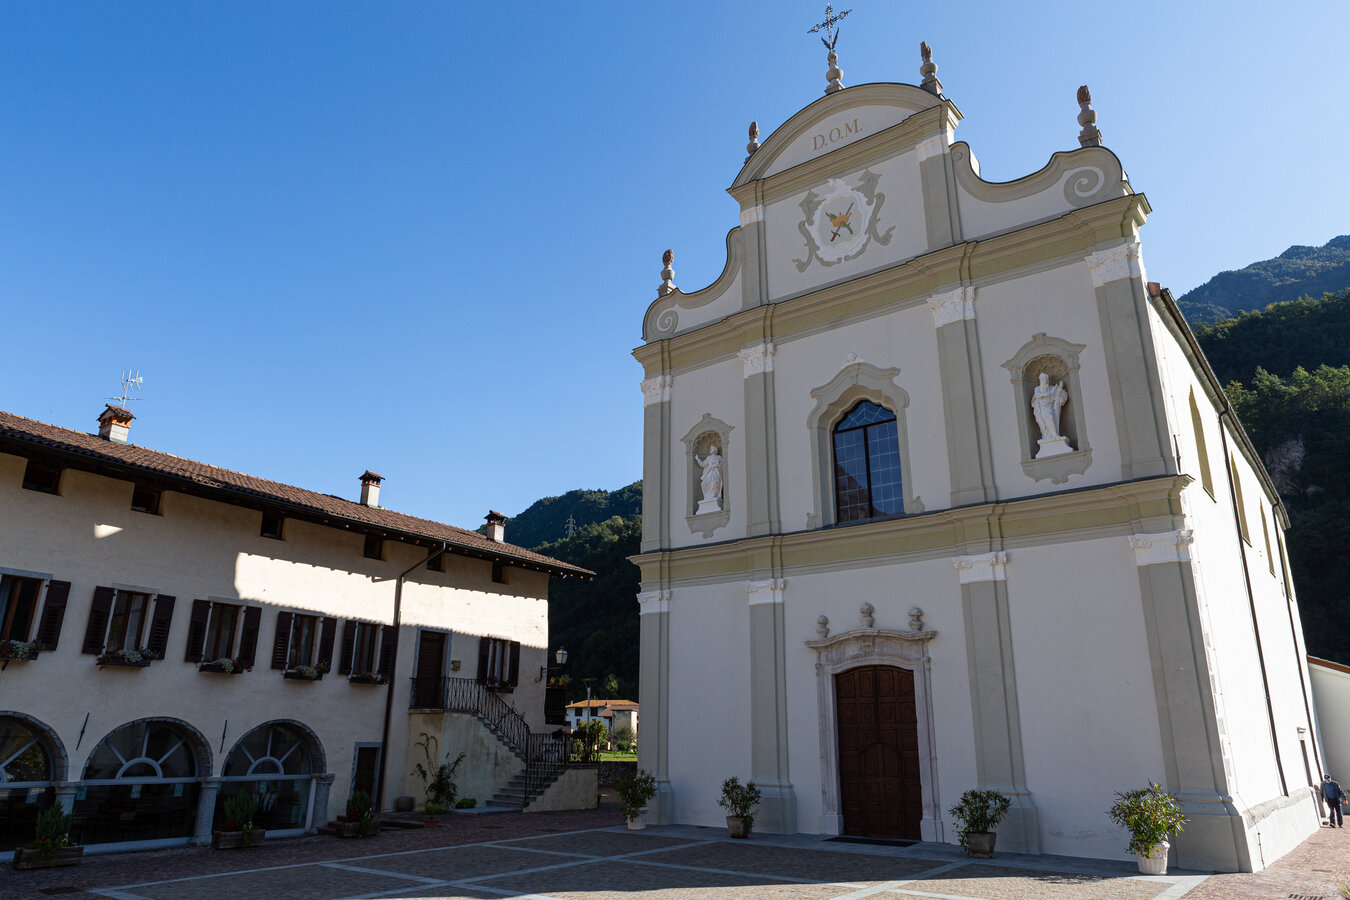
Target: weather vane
{"x":831,"y":32}
{"x":131,"y":381}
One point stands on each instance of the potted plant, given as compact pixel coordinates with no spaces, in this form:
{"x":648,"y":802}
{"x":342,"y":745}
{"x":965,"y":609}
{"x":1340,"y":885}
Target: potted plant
{"x":1151,"y":815}
{"x":368,"y":678}
{"x":306,"y":673}
{"x":139,"y":658}
{"x":51,"y":845}
{"x":466,"y":803}
{"x":740,"y":801}
{"x":979,"y":813}
{"x":225,"y":666}
{"x":636,"y":789}
{"x":438,"y":779}
{"x":239,"y":831}
{"x":358,"y":821}
{"x":20,"y":650}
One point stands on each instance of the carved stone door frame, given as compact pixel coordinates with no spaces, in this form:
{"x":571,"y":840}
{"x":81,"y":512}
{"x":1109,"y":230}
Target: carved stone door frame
{"x":876,"y":647}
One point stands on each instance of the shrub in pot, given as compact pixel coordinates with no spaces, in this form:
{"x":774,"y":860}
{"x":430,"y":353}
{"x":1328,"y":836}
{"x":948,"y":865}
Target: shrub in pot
{"x":239,"y":830}
{"x":636,"y":789}
{"x":740,"y":801}
{"x":1151,"y":815}
{"x":438,"y":779}
{"x":51,"y":842}
{"x":979,"y":813}
{"x":359,"y":820}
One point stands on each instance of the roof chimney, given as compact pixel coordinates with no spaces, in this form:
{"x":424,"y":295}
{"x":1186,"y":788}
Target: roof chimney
{"x":114,"y":423}
{"x":370,"y":489}
{"x":496,"y":527}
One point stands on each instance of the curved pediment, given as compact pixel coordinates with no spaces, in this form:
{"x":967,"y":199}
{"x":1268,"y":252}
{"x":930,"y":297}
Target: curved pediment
{"x":835,"y":121}
{"x":663,"y":316}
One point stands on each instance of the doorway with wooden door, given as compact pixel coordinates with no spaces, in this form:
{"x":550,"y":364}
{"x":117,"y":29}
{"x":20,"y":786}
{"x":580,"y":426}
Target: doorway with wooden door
{"x":880,"y":789}
{"x":429,"y":686}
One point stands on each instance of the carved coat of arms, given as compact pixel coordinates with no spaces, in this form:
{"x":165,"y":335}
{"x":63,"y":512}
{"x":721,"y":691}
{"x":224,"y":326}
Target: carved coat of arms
{"x":840,"y":222}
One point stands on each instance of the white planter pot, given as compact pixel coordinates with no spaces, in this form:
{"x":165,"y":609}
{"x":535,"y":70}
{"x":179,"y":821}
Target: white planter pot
{"x":1155,"y":861}
{"x":638,"y":822}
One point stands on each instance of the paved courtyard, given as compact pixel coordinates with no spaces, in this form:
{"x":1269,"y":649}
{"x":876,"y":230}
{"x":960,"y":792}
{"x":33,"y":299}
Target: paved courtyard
{"x":538,"y":857}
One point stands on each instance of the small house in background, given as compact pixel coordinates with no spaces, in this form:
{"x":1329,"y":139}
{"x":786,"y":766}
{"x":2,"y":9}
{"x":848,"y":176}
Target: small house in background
{"x":173,"y":633}
{"x":616,"y":714}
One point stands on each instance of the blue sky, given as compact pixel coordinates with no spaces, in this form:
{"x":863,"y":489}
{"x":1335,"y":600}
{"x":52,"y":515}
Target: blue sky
{"x":420,"y":237}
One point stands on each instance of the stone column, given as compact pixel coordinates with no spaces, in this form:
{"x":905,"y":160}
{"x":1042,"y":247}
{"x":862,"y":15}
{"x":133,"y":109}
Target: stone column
{"x":206,"y":810}
{"x":1131,"y":362}
{"x":65,"y":794}
{"x":656,"y":450}
{"x":968,"y":449}
{"x":1195,"y":748}
{"x":654,"y":700}
{"x":768,"y":709}
{"x":993,"y":695}
{"x":761,"y":440}
{"x":322,"y":786}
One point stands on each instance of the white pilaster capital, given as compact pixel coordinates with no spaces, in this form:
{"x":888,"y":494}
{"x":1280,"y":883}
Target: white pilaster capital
{"x":952,"y":306}
{"x":933,"y":146}
{"x":1120,"y":261}
{"x":756,"y":359}
{"x":985,"y":567}
{"x":657,"y":389}
{"x":1166,"y":547}
{"x":770,"y":591}
{"x":650,"y":602}
{"x":752,"y":214}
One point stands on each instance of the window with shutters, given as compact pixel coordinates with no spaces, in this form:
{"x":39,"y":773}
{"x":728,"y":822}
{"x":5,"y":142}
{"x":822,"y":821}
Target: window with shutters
{"x":126,"y":624}
{"x":304,"y":635}
{"x":365,"y":643}
{"x":303,"y":646}
{"x":37,"y":477}
{"x":222,"y":636}
{"x":498,"y":662}
{"x":220,"y":631}
{"x":128,"y":627}
{"x":18,"y":607}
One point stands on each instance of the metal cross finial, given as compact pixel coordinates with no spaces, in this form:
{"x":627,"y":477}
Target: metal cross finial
{"x":831,"y":32}
{"x":131,"y":381}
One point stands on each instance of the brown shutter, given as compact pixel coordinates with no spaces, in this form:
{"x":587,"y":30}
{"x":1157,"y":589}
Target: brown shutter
{"x":388,"y":649}
{"x":484,"y":647}
{"x":348,"y":647}
{"x":53,"y":614}
{"x":97,"y":628}
{"x":248,"y":634}
{"x":196,"y":642}
{"x":283,"y":640}
{"x":513,"y":673}
{"x":326,"y":637}
{"x":158,"y":641}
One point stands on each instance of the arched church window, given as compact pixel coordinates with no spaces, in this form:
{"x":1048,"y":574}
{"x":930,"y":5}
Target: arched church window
{"x":867,"y":476}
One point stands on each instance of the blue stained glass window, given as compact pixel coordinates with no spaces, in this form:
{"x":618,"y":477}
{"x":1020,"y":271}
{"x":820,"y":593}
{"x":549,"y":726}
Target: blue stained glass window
{"x":867,"y":476}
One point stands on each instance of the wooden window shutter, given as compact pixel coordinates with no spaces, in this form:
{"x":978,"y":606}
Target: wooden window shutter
{"x":97,"y":628}
{"x":158,"y":641}
{"x":348,"y":646}
{"x":484,"y":648}
{"x":201,"y":613}
{"x":388,"y":649}
{"x":283,"y":640}
{"x":326,"y":637}
{"x":248,"y":634}
{"x":53,"y":613}
{"x":513,"y":673}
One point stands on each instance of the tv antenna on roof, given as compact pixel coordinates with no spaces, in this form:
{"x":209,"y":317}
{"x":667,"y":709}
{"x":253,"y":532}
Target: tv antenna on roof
{"x":131,"y":381}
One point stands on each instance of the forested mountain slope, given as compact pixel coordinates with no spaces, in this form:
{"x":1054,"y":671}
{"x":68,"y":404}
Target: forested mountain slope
{"x":1297,"y":272}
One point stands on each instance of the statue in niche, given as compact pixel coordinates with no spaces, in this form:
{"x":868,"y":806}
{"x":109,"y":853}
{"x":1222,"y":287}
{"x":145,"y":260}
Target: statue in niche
{"x":711,"y":481}
{"x":1046,"y":402}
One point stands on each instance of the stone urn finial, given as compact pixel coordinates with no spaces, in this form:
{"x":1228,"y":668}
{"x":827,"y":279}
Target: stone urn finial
{"x":867,"y":619}
{"x":751,"y":147}
{"x":915,"y":619}
{"x":928,"y":70}
{"x":667,"y":274}
{"x":1087,"y":117}
{"x":822,"y":627}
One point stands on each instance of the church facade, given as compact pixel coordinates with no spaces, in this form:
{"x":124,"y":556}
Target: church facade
{"x":940,"y":493}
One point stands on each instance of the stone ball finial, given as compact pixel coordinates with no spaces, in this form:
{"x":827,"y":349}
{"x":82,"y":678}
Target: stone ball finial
{"x":928,"y":70}
{"x":915,"y":619}
{"x":868,"y":621}
{"x":1090,"y":136}
{"x":751,"y":147}
{"x":822,"y":627}
{"x":667,"y":274}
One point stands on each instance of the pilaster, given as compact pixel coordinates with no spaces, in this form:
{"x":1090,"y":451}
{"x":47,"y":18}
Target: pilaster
{"x":761,"y":440}
{"x":768,"y":708}
{"x":939,"y":191}
{"x":654,"y":699}
{"x":656,"y":393}
{"x":969,"y":455}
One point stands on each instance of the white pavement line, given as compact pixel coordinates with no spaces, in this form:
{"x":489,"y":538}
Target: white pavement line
{"x":383,"y":872}
{"x":688,"y":867}
{"x":115,"y":894}
{"x":1185,"y":884}
{"x":871,"y":891}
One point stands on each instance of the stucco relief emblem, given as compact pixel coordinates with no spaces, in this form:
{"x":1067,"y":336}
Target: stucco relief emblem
{"x":840,"y":222}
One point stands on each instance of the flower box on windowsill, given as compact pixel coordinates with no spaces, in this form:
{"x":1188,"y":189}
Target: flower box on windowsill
{"x":305,"y":673}
{"x":20,"y":651}
{"x":126,"y":659}
{"x":369,"y":678}
{"x":224,"y":667}
{"x":25,"y":858}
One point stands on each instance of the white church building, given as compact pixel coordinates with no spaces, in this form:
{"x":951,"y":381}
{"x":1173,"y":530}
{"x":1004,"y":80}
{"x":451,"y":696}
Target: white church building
{"x":940,"y":493}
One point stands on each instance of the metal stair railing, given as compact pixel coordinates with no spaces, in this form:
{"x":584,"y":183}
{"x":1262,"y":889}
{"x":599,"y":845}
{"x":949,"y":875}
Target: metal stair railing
{"x":544,"y":755}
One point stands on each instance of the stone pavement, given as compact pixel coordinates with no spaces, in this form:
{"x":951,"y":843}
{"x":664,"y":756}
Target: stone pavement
{"x":585,"y":856}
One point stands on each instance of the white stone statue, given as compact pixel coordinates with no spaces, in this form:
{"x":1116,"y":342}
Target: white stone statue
{"x":1046,"y":402}
{"x":711,"y":480}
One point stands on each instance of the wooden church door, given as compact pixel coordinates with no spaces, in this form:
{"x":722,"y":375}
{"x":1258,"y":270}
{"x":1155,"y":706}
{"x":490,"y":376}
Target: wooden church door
{"x":879,"y":790}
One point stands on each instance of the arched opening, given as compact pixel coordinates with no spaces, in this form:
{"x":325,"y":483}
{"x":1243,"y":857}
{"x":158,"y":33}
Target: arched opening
{"x":275,"y":763}
{"x":31,"y":761}
{"x":140,"y":784}
{"x":868,"y":481}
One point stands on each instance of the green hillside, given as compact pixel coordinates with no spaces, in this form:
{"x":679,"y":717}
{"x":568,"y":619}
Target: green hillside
{"x":1297,"y":272}
{"x":546,"y":519}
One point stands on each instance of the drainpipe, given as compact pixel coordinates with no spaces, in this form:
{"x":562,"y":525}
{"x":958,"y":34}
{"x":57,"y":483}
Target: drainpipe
{"x":378,"y":803}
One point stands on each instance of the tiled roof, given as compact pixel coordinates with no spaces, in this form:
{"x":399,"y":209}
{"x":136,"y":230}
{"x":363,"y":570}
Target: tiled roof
{"x":134,"y":459}
{"x":599,"y":704}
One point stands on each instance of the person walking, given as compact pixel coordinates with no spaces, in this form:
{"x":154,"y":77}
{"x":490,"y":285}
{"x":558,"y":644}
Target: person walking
{"x":1332,"y":795}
